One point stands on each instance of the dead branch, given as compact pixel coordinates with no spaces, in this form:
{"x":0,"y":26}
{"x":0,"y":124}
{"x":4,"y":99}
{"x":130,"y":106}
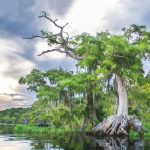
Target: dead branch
{"x":36,"y":36}
{"x":61,"y":51}
{"x":52,"y":50}
{"x":61,"y":39}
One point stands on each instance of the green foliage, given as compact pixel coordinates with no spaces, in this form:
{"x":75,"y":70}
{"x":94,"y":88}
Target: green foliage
{"x":39,"y":131}
{"x":139,"y":100}
{"x":60,"y":116}
{"x":64,"y":96}
{"x":134,"y":135}
{"x":34,"y":80}
{"x":12,"y":115}
{"x":47,"y":93}
{"x":135,"y":32}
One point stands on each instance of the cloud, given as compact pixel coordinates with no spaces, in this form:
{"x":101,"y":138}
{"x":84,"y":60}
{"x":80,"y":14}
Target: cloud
{"x":9,"y":102}
{"x":19,"y":19}
{"x":13,"y":62}
{"x":100,"y":15}
{"x":15,"y":16}
{"x":14,"y":100}
{"x":12,"y":94}
{"x":18,"y":99}
{"x":57,"y":7}
{"x":125,"y":13}
{"x":16,"y":62}
{"x":87,"y":16}
{"x":13,"y":66}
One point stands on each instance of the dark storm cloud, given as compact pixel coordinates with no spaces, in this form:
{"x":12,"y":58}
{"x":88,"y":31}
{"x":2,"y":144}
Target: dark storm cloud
{"x":18,"y":16}
{"x":60,"y":7}
{"x":16,"y":28}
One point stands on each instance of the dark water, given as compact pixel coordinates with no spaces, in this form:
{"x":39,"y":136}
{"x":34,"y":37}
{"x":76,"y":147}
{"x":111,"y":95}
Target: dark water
{"x":69,"y":141}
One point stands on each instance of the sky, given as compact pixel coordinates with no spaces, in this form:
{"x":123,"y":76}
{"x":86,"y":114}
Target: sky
{"x":19,"y":19}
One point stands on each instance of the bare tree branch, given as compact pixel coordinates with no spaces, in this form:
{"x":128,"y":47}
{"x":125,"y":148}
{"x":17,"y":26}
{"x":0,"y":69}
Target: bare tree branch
{"x":63,"y":42}
{"x":41,"y":36}
{"x":45,"y":15}
{"x":36,"y":36}
{"x":52,"y":50}
{"x":61,"y":51}
{"x":60,"y":39}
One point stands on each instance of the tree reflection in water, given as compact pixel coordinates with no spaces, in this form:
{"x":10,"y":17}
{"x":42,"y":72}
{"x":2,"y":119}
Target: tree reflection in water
{"x":111,"y":143}
{"x":68,"y":141}
{"x":81,"y":142}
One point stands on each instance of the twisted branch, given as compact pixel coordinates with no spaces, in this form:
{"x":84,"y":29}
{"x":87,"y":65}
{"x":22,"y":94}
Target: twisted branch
{"x":36,"y":36}
{"x":61,"y":40}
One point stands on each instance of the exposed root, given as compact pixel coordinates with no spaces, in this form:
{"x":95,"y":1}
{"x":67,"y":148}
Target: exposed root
{"x":118,"y":125}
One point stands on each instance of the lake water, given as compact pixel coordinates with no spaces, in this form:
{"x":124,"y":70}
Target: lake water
{"x":69,"y":141}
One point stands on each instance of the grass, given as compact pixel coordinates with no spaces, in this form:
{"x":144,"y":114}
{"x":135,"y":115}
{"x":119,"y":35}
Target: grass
{"x":27,"y":129}
{"x":35,"y":130}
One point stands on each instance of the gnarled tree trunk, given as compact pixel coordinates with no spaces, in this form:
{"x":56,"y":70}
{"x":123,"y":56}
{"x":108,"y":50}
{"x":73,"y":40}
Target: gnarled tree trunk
{"x":121,"y":122}
{"x":122,"y":94}
{"x":116,"y":96}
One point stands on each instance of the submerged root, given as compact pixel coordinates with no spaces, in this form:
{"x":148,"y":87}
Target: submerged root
{"x":118,"y":125}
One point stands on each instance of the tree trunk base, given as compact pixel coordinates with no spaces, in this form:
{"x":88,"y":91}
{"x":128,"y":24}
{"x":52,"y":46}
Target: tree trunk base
{"x":118,"y":125}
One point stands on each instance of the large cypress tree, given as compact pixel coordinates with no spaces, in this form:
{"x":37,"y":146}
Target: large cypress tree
{"x":106,"y":55}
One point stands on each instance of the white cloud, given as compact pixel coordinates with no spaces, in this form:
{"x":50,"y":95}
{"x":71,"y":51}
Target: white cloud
{"x":53,"y":59}
{"x":125,"y":13}
{"x":9,"y":102}
{"x":12,"y":67}
{"x":8,"y":46}
{"x":88,"y":16}
{"x":99,"y":15}
{"x":42,"y":46}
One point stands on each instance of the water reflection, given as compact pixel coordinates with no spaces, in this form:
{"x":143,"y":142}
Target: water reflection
{"x":111,"y":143}
{"x":70,"y":142}
{"x":13,"y":143}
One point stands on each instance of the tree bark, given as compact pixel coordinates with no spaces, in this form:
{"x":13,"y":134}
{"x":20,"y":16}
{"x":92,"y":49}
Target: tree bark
{"x":122,"y":94}
{"x":116,"y":96}
{"x":120,"y":123}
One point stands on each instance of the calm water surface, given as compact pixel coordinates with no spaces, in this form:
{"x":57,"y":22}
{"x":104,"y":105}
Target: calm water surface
{"x":11,"y":142}
{"x":69,"y":141}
